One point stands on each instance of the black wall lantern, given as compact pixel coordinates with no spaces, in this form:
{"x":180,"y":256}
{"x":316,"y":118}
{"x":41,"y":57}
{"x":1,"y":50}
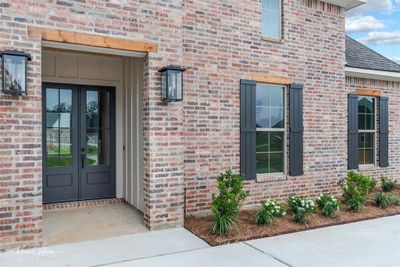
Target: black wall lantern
{"x":14,"y":72}
{"x":172,"y":83}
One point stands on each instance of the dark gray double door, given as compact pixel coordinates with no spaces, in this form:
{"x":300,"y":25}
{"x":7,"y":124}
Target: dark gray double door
{"x":79,"y":142}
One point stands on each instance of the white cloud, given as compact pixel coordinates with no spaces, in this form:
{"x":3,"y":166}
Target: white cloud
{"x":396,"y":59}
{"x":363,"y":24}
{"x":372,"y":6}
{"x":381,"y":38}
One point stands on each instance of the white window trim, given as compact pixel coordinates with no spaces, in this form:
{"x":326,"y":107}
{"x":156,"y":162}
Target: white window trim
{"x":374,"y":131}
{"x":285,"y":91}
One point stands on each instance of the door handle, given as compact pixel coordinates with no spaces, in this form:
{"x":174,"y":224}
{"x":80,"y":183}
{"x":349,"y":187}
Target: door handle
{"x":83,"y":158}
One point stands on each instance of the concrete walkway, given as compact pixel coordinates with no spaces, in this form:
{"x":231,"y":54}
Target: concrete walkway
{"x":368,"y":243}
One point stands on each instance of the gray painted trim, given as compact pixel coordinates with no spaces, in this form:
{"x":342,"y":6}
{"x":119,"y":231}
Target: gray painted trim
{"x":296,"y":130}
{"x":384,"y":132}
{"x":248,"y":129}
{"x":352,"y":132}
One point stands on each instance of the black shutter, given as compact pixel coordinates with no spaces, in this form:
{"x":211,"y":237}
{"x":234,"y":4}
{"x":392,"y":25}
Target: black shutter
{"x":296,"y":130}
{"x":384,"y":132}
{"x":352,"y":138}
{"x":248,"y":129}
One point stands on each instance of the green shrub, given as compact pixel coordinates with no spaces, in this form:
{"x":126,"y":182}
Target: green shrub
{"x":356,"y":202}
{"x":226,"y":206}
{"x":356,"y":189}
{"x":388,"y":185}
{"x":302,"y":208}
{"x":269,"y":210}
{"x":383,"y":200}
{"x":328,"y":205}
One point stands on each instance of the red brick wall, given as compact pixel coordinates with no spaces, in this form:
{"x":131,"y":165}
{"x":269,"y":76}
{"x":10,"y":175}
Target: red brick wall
{"x":223,"y":45}
{"x":392,"y":91}
{"x":185,"y":144}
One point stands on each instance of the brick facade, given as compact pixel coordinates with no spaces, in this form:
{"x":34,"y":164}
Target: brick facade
{"x":187,"y":144}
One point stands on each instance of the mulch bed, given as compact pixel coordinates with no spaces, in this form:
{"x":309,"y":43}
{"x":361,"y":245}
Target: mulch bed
{"x":247,"y":229}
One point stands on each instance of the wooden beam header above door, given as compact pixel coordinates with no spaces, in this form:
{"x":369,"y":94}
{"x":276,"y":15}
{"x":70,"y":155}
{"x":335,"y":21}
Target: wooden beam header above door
{"x":78,"y":38}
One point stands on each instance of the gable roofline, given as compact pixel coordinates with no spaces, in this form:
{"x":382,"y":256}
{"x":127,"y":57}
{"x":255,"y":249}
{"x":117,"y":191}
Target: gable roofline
{"x":362,"y":57}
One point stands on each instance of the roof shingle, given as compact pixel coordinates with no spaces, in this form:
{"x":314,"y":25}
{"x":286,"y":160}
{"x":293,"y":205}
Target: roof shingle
{"x":360,"y":56}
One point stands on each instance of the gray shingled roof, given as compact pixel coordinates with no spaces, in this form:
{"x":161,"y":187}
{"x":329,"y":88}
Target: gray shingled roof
{"x":360,"y":56}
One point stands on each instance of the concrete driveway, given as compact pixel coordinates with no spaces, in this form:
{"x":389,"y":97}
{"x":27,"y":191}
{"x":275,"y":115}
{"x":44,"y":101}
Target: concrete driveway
{"x":369,"y":243}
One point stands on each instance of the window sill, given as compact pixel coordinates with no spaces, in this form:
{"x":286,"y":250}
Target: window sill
{"x":272,"y":39}
{"x":367,"y":167}
{"x":273,"y":177}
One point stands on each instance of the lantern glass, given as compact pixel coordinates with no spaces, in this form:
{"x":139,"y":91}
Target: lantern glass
{"x":14,"y":74}
{"x":174,"y":85}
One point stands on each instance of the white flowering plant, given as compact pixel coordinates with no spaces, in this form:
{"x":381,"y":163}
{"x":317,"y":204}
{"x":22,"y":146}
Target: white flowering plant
{"x":269,"y":210}
{"x":328,"y":205}
{"x":302,"y":208}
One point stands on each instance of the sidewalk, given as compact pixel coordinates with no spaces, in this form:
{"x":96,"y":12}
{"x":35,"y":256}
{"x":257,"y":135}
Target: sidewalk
{"x":369,"y":243}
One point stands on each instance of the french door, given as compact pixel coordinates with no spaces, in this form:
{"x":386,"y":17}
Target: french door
{"x":78,"y":142}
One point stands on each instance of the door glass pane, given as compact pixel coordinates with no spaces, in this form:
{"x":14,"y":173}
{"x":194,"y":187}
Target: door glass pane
{"x":92,"y":109}
{"x":52,"y":147}
{"x":65,"y":108}
{"x":51,"y":100}
{"x":98,"y":151}
{"x":97,"y":128}
{"x":65,"y":147}
{"x":59,"y":127}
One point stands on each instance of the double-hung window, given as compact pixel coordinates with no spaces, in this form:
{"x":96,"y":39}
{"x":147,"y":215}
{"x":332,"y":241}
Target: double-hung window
{"x":366,"y":130}
{"x":264,"y":118}
{"x":270,"y":129}
{"x":271,"y":18}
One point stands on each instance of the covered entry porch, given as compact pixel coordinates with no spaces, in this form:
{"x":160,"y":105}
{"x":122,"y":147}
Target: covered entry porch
{"x":92,"y":142}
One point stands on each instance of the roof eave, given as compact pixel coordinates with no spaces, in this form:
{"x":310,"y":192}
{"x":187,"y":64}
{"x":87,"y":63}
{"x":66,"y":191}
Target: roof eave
{"x":373,"y":74}
{"x":347,"y":4}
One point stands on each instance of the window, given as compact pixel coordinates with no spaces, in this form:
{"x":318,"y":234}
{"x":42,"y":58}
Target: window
{"x":271,"y":18}
{"x":366,"y":130}
{"x":270,"y":129}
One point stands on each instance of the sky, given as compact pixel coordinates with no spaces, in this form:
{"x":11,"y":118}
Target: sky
{"x":376,"y":24}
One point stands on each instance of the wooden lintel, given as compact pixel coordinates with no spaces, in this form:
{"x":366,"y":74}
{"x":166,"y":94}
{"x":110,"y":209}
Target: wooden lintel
{"x":265,"y":78}
{"x":78,"y":38}
{"x":369,"y":92}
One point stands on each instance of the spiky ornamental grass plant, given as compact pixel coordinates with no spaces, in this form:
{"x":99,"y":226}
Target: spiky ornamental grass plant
{"x":328,"y":205}
{"x":269,"y":210}
{"x":388,"y":185}
{"x":302,"y":208}
{"x":356,"y":189}
{"x":226,"y":206}
{"x":383,"y":200}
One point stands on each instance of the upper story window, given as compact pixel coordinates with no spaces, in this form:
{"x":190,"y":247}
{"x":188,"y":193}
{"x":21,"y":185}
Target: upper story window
{"x":366,"y":130}
{"x":271,"y":18}
{"x":270,"y":128}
